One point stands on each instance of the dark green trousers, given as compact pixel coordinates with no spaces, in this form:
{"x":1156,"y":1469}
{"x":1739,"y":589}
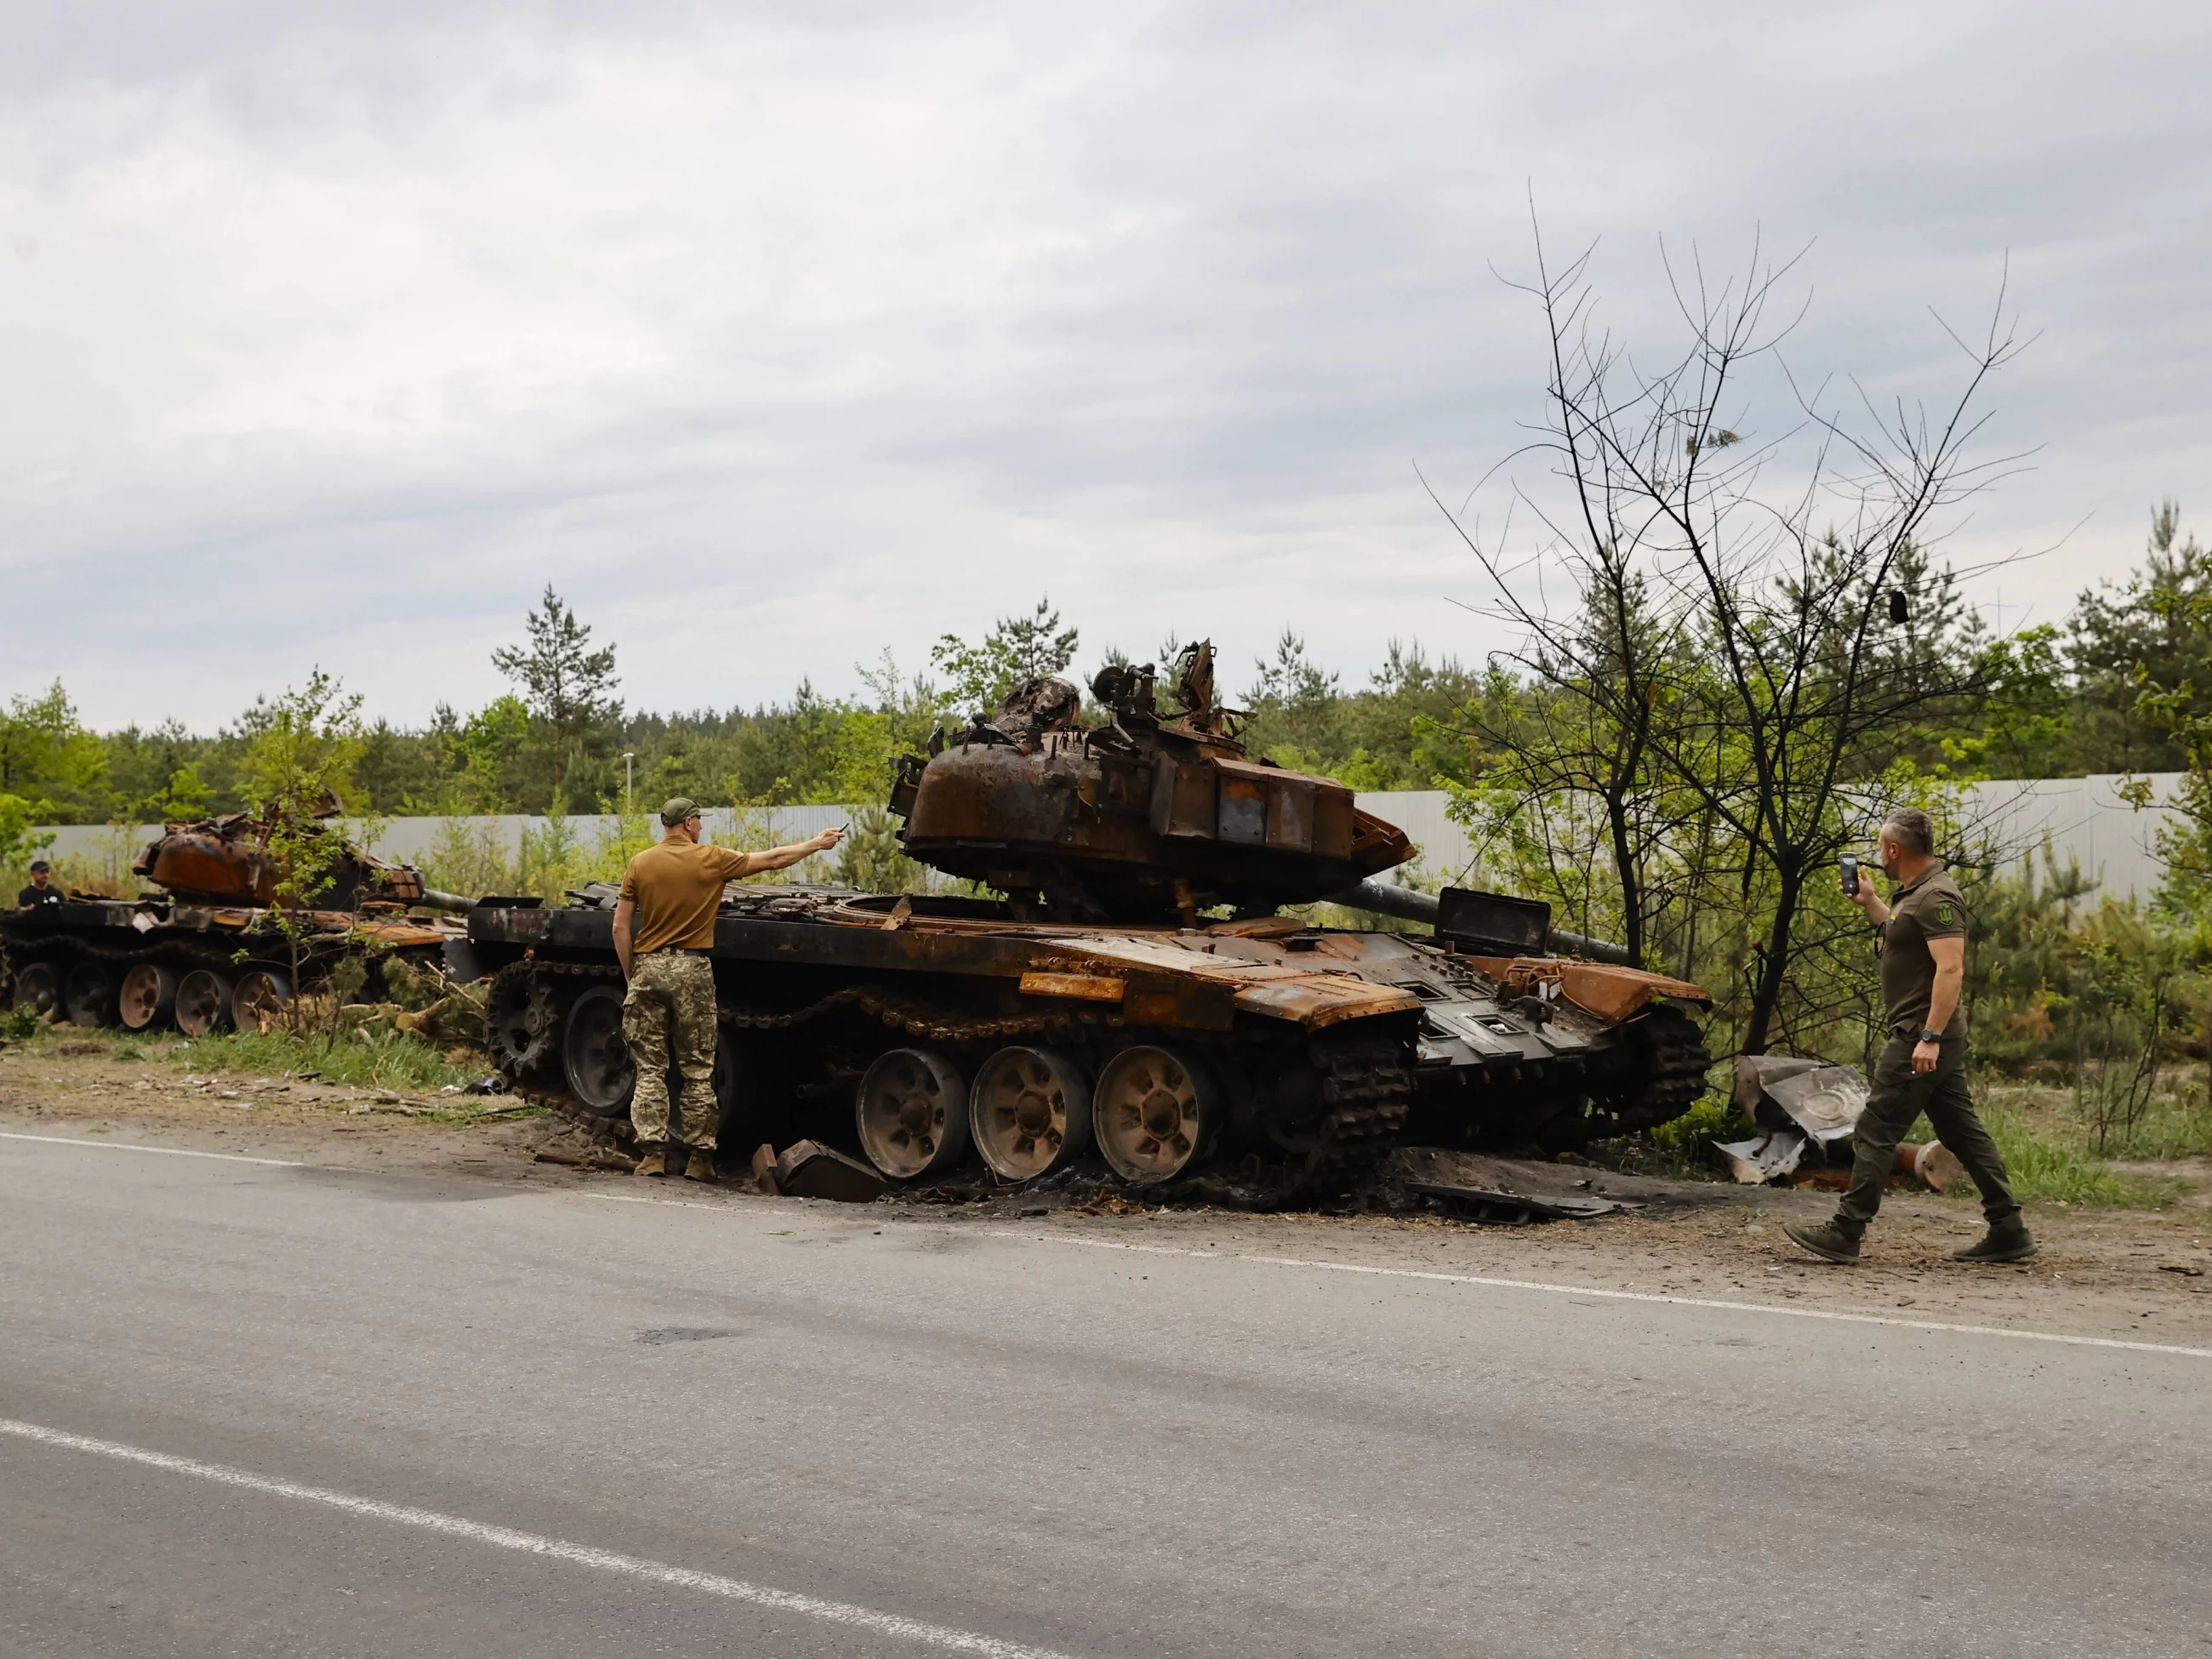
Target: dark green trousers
{"x":1900,"y":1095}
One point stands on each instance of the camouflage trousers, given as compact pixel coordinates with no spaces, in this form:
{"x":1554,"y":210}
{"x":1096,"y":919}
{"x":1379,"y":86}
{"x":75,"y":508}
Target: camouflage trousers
{"x":669,"y":1017}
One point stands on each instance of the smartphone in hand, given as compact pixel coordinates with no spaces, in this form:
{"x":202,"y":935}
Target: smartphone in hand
{"x":1849,"y":867}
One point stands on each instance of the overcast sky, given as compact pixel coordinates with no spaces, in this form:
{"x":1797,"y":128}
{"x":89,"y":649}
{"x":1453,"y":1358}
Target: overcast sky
{"x":776,"y":336}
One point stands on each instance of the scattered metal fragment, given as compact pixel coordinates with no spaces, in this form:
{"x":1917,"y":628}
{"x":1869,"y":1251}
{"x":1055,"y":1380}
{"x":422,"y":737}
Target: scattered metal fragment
{"x":1765,"y":1158}
{"x":808,"y":1169}
{"x":592,"y":1160}
{"x":1502,"y":1191}
{"x":1810,"y":1107}
{"x":1499,"y":1206}
{"x":763,"y":1169}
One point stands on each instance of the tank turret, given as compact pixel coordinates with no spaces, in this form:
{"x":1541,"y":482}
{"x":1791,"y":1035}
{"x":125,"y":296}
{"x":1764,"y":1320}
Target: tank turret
{"x":228,"y":860}
{"x":1155,"y":814}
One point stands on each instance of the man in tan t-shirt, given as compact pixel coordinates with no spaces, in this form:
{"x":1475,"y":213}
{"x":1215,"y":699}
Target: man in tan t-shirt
{"x":663,"y":929}
{"x":1922,"y":1066}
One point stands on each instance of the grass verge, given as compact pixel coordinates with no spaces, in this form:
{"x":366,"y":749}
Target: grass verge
{"x":2044,"y":1169}
{"x":361,"y":1060}
{"x":386,"y":1060}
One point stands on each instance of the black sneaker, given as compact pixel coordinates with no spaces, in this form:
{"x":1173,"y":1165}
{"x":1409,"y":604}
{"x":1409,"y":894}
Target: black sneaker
{"x":1827,"y":1240}
{"x":2006,"y":1241}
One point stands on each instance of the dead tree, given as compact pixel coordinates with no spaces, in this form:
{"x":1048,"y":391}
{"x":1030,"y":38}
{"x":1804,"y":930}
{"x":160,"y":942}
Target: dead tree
{"x":1762,"y":659}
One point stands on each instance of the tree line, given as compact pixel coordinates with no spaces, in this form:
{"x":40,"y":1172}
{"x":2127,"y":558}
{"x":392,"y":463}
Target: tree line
{"x":2088,"y":695}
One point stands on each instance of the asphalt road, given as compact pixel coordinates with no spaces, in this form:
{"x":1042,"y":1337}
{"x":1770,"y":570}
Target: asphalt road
{"x":323,"y":1414}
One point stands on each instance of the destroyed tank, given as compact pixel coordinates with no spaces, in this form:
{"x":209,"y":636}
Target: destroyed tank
{"x":206,"y":951}
{"x":1133,"y":997}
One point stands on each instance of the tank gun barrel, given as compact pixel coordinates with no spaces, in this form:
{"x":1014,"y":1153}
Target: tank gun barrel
{"x":1403,"y":902}
{"x":431,"y":899}
{"x":1386,"y":899}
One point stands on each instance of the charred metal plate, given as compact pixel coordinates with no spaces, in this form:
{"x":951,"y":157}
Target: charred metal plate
{"x":1485,"y":1031}
{"x":1192,"y":1005}
{"x":1182,"y":800}
{"x":1291,"y":814}
{"x":1085,"y":987}
{"x":1244,"y":809}
{"x":1495,"y":922}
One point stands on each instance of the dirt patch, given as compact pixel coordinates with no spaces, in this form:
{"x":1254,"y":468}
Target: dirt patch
{"x":2122,"y":1274}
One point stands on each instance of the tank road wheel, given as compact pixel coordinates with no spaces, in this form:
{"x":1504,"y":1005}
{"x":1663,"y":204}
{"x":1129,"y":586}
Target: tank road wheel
{"x":203,"y":1002}
{"x":38,"y":988}
{"x":1156,"y":1109}
{"x":150,"y":993}
{"x":89,"y":994}
{"x":259,"y":1001}
{"x":911,"y":1109}
{"x":735,"y":1091}
{"x":1031,"y":1111}
{"x":593,"y":1054}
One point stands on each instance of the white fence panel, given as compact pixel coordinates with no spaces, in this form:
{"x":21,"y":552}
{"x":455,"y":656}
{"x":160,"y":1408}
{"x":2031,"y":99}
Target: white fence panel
{"x":2081,"y":820}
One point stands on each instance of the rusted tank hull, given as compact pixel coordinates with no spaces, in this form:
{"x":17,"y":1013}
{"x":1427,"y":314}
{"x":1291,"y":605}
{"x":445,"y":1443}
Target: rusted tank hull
{"x":1310,"y":1048}
{"x":157,"y":964}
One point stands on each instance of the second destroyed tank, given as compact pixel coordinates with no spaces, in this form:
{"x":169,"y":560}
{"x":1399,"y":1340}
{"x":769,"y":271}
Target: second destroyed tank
{"x":1135,"y":999}
{"x":221,"y":944}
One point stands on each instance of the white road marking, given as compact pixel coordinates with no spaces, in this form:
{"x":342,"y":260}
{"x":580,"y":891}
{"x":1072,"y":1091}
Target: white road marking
{"x":165,"y":1151}
{"x":664,"y":1203}
{"x":528,"y":1543}
{"x":1843,"y":1316}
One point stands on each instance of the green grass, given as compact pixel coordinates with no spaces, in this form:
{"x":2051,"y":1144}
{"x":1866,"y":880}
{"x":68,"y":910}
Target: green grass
{"x":390,"y":1061}
{"x":2044,"y":1169}
{"x":1681,"y":1150}
{"x":2046,"y":1146}
{"x":2168,"y":1130}
{"x":1711,"y":1118}
{"x":372,"y":1060}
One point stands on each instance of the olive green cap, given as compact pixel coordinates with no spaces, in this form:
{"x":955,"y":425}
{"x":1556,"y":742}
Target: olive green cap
{"x":679,"y":808}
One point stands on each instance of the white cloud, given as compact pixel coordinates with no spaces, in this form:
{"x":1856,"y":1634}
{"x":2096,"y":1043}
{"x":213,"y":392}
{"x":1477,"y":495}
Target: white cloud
{"x":775,"y":336}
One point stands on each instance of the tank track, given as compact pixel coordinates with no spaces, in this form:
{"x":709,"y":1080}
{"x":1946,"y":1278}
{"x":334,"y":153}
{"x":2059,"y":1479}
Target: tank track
{"x":1366,"y":1092}
{"x":1671,"y":1063}
{"x":71,"y":946}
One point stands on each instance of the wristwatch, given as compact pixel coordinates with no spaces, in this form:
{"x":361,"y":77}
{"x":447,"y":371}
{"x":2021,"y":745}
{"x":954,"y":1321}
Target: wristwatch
{"x":1930,"y":1034}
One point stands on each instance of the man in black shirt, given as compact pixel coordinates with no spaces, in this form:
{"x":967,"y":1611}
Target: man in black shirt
{"x":41,"y":892}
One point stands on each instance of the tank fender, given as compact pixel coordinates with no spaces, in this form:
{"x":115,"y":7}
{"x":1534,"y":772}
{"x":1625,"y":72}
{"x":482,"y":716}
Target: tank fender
{"x":1597,"y":988}
{"x":1165,"y":984}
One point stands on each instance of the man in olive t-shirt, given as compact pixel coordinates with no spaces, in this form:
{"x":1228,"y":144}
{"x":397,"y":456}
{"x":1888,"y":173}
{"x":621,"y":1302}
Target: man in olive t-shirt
{"x":663,"y":928}
{"x":1923,"y":1067}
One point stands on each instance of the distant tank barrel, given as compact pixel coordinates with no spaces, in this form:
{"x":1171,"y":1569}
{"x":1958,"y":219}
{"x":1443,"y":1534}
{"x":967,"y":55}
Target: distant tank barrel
{"x":431,"y":899}
{"x":1403,"y":902}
